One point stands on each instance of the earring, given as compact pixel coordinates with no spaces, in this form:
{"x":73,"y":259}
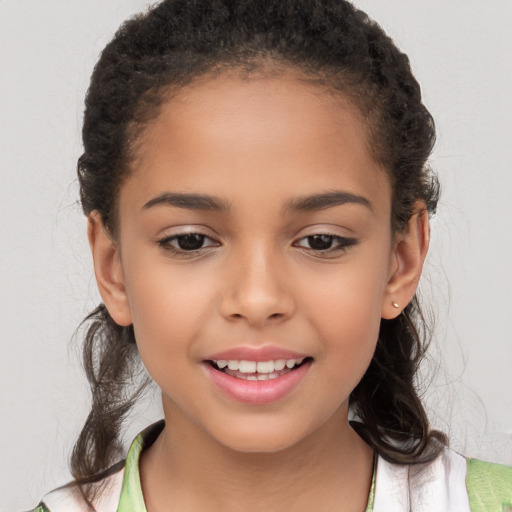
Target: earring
{"x":395,"y":305}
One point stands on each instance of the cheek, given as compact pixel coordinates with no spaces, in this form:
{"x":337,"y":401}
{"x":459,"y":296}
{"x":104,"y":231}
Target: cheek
{"x":344,"y":308}
{"x":169,"y":308}
{"x":347,"y":295}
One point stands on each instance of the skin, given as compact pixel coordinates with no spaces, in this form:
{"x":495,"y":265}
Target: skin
{"x":256,"y":144}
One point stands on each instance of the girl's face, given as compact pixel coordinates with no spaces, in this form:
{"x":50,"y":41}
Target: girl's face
{"x":254,"y":227}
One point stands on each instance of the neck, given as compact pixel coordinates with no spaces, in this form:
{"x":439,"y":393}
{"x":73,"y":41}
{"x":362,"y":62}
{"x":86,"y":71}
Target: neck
{"x":186,"y":468}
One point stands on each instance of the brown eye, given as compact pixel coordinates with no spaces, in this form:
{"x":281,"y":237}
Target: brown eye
{"x":190,"y":242}
{"x":320,"y":242}
{"x":187,"y":243}
{"x":325,"y":243}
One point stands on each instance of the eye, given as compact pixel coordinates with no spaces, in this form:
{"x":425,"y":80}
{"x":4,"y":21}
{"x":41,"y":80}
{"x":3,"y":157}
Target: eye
{"x":186,"y":243}
{"x":324,"y":243}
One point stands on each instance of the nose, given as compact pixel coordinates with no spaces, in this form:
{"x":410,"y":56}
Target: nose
{"x":257,"y":289}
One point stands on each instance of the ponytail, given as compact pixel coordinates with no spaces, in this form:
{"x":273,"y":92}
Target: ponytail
{"x":386,"y":399}
{"x":117,"y":379}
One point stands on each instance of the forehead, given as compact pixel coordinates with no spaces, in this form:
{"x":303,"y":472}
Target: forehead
{"x":272,"y":135}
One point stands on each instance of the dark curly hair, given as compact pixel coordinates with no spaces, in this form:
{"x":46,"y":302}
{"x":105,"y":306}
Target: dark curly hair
{"x":330,"y":43}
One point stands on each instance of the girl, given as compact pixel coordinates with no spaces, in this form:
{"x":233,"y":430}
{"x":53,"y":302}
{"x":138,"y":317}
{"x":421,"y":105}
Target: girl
{"x":254,"y":176}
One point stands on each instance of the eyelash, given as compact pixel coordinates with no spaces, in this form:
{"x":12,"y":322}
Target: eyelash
{"x":343,"y":244}
{"x":165,"y":243}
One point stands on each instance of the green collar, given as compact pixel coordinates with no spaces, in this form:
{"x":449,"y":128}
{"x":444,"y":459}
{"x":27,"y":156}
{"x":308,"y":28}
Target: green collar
{"x":132,"y":500}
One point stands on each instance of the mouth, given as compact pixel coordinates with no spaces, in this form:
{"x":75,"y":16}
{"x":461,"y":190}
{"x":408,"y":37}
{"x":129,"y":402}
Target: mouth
{"x":257,"y":382}
{"x":258,"y":370}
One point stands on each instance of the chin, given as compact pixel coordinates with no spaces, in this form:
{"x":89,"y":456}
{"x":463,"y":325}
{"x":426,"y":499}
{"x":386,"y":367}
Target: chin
{"x":259,"y":444}
{"x":259,"y":436}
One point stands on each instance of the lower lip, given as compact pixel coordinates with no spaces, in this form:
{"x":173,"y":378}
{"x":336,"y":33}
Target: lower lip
{"x":257,"y":391}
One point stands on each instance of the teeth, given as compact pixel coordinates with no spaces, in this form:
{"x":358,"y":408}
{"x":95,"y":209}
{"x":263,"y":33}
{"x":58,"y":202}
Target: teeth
{"x":233,"y":365}
{"x":247,"y":366}
{"x":265,"y":366}
{"x":267,"y":369}
{"x":279,"y":364}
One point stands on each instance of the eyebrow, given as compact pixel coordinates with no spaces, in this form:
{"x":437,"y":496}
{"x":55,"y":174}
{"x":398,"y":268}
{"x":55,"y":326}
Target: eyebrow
{"x":189,"y":202}
{"x":324,"y":200}
{"x":206,"y":202}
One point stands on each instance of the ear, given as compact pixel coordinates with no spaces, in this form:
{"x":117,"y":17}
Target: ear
{"x":410,"y":250}
{"x":108,"y":270}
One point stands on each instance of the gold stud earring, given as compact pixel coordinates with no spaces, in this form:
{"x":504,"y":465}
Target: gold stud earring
{"x":395,"y":305}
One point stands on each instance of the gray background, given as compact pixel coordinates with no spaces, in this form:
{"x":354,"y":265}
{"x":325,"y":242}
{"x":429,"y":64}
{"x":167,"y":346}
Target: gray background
{"x":460,"y":51}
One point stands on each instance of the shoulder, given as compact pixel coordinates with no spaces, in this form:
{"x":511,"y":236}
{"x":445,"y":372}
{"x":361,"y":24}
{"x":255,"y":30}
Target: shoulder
{"x":489,"y":486}
{"x":119,"y":489}
{"x":449,"y":482}
{"x":435,"y":485}
{"x":40,"y":508}
{"x":70,"y":499}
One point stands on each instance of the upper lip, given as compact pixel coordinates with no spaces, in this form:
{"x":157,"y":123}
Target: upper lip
{"x":248,"y":353}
